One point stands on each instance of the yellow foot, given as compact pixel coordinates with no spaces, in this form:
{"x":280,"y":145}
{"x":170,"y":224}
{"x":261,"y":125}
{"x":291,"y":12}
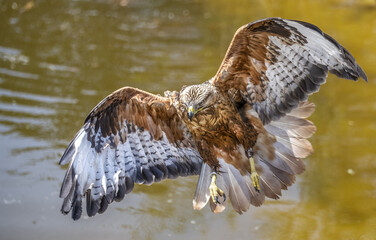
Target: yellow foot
{"x":216,"y":192}
{"x":254,"y":175}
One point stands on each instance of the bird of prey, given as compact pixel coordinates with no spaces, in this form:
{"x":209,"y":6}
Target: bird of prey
{"x":244,"y":131}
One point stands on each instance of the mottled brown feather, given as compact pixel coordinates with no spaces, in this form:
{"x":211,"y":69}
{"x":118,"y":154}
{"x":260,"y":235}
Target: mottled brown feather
{"x":151,"y":112}
{"x":220,"y":131}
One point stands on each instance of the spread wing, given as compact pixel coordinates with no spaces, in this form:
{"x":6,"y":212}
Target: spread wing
{"x":274,"y":64}
{"x":130,"y":137}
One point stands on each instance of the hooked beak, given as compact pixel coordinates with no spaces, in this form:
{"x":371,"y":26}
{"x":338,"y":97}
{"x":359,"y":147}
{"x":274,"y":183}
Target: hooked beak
{"x":191,"y":113}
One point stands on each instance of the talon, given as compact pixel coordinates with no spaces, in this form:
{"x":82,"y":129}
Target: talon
{"x":254,"y":175}
{"x":215,"y":191}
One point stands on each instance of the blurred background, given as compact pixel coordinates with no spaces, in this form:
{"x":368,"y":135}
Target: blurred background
{"x":58,"y":59}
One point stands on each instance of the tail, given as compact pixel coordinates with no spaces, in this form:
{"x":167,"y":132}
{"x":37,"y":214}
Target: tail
{"x":278,"y":155}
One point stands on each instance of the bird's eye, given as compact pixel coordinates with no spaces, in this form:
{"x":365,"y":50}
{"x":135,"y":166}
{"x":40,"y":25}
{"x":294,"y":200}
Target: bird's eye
{"x":182,"y":108}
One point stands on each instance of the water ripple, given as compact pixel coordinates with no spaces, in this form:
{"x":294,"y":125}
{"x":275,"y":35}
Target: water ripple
{"x":57,"y":67}
{"x":13,"y":55}
{"x":36,"y":97}
{"x":18,"y":74}
{"x":23,"y":120}
{"x":32,"y":110}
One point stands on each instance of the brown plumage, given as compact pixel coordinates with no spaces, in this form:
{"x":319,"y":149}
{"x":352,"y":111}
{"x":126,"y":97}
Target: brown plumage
{"x":255,"y":107}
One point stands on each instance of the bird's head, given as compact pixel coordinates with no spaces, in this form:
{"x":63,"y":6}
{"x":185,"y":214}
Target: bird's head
{"x":196,"y":98}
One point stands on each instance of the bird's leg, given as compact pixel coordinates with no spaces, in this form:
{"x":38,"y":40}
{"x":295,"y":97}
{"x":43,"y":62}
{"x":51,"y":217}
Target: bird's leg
{"x":215,"y":192}
{"x":254,"y":175}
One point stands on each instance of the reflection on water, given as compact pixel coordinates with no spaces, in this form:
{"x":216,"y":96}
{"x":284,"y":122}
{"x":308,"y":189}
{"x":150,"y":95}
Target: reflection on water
{"x":58,"y":59}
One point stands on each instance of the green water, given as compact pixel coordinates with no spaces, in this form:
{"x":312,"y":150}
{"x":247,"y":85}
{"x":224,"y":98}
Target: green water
{"x":59,"y":58}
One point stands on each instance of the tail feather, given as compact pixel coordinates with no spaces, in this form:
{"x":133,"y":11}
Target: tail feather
{"x":300,"y":148}
{"x":295,"y":164}
{"x":291,"y":133}
{"x":270,"y":183}
{"x":238,"y":190}
{"x":290,"y":126}
{"x":304,"y":110}
{"x":286,"y":179}
{"x":217,"y":207}
{"x":202,"y":193}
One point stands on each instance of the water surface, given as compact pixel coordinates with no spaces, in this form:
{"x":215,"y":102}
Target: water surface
{"x":59,"y":58}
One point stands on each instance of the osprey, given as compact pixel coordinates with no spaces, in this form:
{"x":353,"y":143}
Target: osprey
{"x":244,"y":132}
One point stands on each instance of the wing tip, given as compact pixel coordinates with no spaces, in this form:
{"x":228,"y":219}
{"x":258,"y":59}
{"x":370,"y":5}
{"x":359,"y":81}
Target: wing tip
{"x":358,"y":71}
{"x":361,"y":73}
